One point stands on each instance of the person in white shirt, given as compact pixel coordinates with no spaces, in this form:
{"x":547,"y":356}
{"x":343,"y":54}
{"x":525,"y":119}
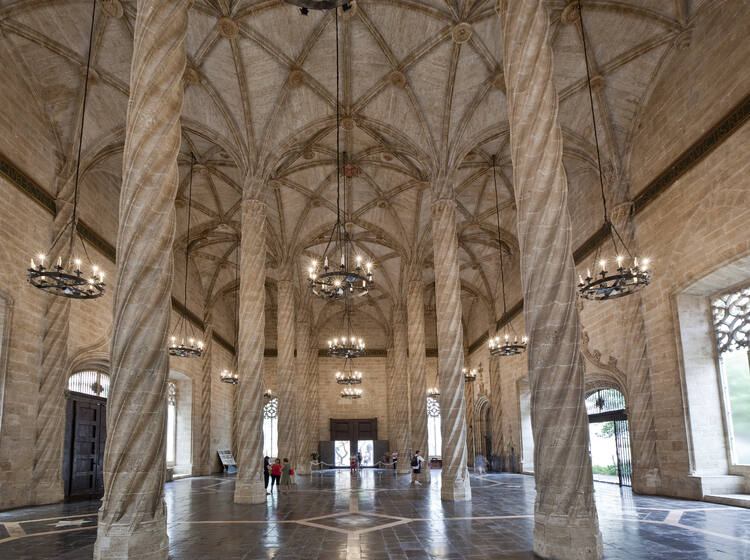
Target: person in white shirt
{"x":416,"y":467}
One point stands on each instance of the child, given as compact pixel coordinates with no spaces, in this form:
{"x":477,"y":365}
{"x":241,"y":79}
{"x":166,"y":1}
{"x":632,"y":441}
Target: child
{"x":286,"y":477}
{"x":275,"y":474}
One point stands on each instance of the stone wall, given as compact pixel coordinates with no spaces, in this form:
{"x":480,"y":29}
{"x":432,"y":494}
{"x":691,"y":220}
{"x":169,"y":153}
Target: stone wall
{"x":24,"y":231}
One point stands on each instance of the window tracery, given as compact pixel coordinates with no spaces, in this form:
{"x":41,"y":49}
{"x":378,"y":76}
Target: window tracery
{"x":731,"y":313}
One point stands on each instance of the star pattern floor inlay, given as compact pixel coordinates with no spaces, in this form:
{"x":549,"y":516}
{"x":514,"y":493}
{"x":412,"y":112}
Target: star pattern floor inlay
{"x":377,"y":515}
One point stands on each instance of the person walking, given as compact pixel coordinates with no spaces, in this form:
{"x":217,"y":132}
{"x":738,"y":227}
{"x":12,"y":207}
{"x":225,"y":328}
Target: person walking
{"x":359,"y":460}
{"x":416,"y":468}
{"x":286,"y":476}
{"x":276,"y":475}
{"x":266,"y":472}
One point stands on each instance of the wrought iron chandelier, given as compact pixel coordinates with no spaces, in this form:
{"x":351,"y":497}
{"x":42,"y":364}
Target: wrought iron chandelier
{"x":433,"y":393}
{"x":498,"y":346}
{"x":346,"y":275}
{"x":229,"y":377}
{"x":67,"y":279}
{"x":351,"y":393}
{"x":631,"y":275}
{"x":348,"y":376}
{"x":268,"y":395}
{"x":470,"y":375}
{"x":306,"y":5}
{"x":347,"y":346}
{"x":182,"y":343}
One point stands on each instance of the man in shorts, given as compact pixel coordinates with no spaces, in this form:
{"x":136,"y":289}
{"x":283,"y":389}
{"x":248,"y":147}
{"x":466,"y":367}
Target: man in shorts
{"x":416,"y":468}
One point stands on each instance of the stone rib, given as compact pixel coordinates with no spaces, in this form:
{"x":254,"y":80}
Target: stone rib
{"x":132,"y":519}
{"x":250,"y":487}
{"x":455,"y":475}
{"x":566,"y":524}
{"x":417,"y":367}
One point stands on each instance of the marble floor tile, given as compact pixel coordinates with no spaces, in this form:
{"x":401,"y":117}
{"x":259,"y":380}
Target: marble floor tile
{"x":377,"y":515}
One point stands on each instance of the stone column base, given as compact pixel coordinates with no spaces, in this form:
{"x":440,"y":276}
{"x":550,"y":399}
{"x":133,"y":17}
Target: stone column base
{"x":403,"y":469}
{"x":303,"y":468}
{"x":562,"y":538}
{"x":130,"y":539}
{"x":425,"y":477}
{"x":249,"y":492}
{"x":455,"y":491}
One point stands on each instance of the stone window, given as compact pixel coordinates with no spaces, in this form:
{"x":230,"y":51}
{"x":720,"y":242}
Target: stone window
{"x":731,"y":322}
{"x":171,"y":423}
{"x":89,"y":383}
{"x":434,"y":437}
{"x":271,"y":428}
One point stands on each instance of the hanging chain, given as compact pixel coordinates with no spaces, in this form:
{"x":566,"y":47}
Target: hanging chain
{"x":596,"y":134}
{"x":499,"y":239}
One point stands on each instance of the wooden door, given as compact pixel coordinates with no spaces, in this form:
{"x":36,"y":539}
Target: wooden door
{"x":85,"y":436}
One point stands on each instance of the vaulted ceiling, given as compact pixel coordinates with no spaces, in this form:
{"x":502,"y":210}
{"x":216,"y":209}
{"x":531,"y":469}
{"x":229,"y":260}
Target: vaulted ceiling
{"x":421,"y":90}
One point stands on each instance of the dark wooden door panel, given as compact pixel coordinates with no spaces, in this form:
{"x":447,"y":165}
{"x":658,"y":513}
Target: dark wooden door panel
{"x":85,"y":438}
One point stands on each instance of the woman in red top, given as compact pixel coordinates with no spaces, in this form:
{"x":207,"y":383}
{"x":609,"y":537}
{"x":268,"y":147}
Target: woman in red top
{"x":275,"y":474}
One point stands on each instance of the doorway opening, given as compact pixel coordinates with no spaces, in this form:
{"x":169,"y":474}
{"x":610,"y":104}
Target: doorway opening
{"x":609,"y":436}
{"x":85,"y":434}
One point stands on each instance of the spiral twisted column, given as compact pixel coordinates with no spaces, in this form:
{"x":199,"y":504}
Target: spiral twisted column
{"x":314,"y":426}
{"x":303,"y":391}
{"x":132,"y":519}
{"x":204,"y":441}
{"x":285,"y":368}
{"x":496,"y":409}
{"x":566,"y":524}
{"x":398,"y":398}
{"x":251,"y":343}
{"x":417,"y":366}
{"x":455,"y":476}
{"x":47,"y":476}
{"x":470,"y":428}
{"x":646,"y":475}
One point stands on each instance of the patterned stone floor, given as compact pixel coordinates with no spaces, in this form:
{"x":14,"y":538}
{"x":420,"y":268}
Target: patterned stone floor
{"x":376,"y":515}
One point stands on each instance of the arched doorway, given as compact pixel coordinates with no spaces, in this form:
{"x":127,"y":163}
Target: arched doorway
{"x":609,"y":436}
{"x":85,"y":434}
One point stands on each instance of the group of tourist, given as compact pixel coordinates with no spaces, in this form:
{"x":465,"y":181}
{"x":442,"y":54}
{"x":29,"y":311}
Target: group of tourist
{"x":279,"y":473}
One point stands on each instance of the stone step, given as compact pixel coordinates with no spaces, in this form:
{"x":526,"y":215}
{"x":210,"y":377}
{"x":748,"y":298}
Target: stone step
{"x":723,"y":484}
{"x":739,"y":500}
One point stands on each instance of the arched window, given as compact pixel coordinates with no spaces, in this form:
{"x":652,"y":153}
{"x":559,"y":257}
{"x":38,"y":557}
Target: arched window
{"x":271,"y":428}
{"x":731,"y":317}
{"x":171,"y":423}
{"x":434,"y":438}
{"x":89,"y":383}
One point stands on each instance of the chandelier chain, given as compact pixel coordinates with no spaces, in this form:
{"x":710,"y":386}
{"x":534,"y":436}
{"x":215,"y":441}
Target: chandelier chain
{"x":499,"y":238}
{"x":80,"y":132}
{"x":593,"y":114}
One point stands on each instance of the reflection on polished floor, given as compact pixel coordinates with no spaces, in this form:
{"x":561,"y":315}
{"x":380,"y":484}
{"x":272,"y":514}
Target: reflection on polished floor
{"x":376,"y":515}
